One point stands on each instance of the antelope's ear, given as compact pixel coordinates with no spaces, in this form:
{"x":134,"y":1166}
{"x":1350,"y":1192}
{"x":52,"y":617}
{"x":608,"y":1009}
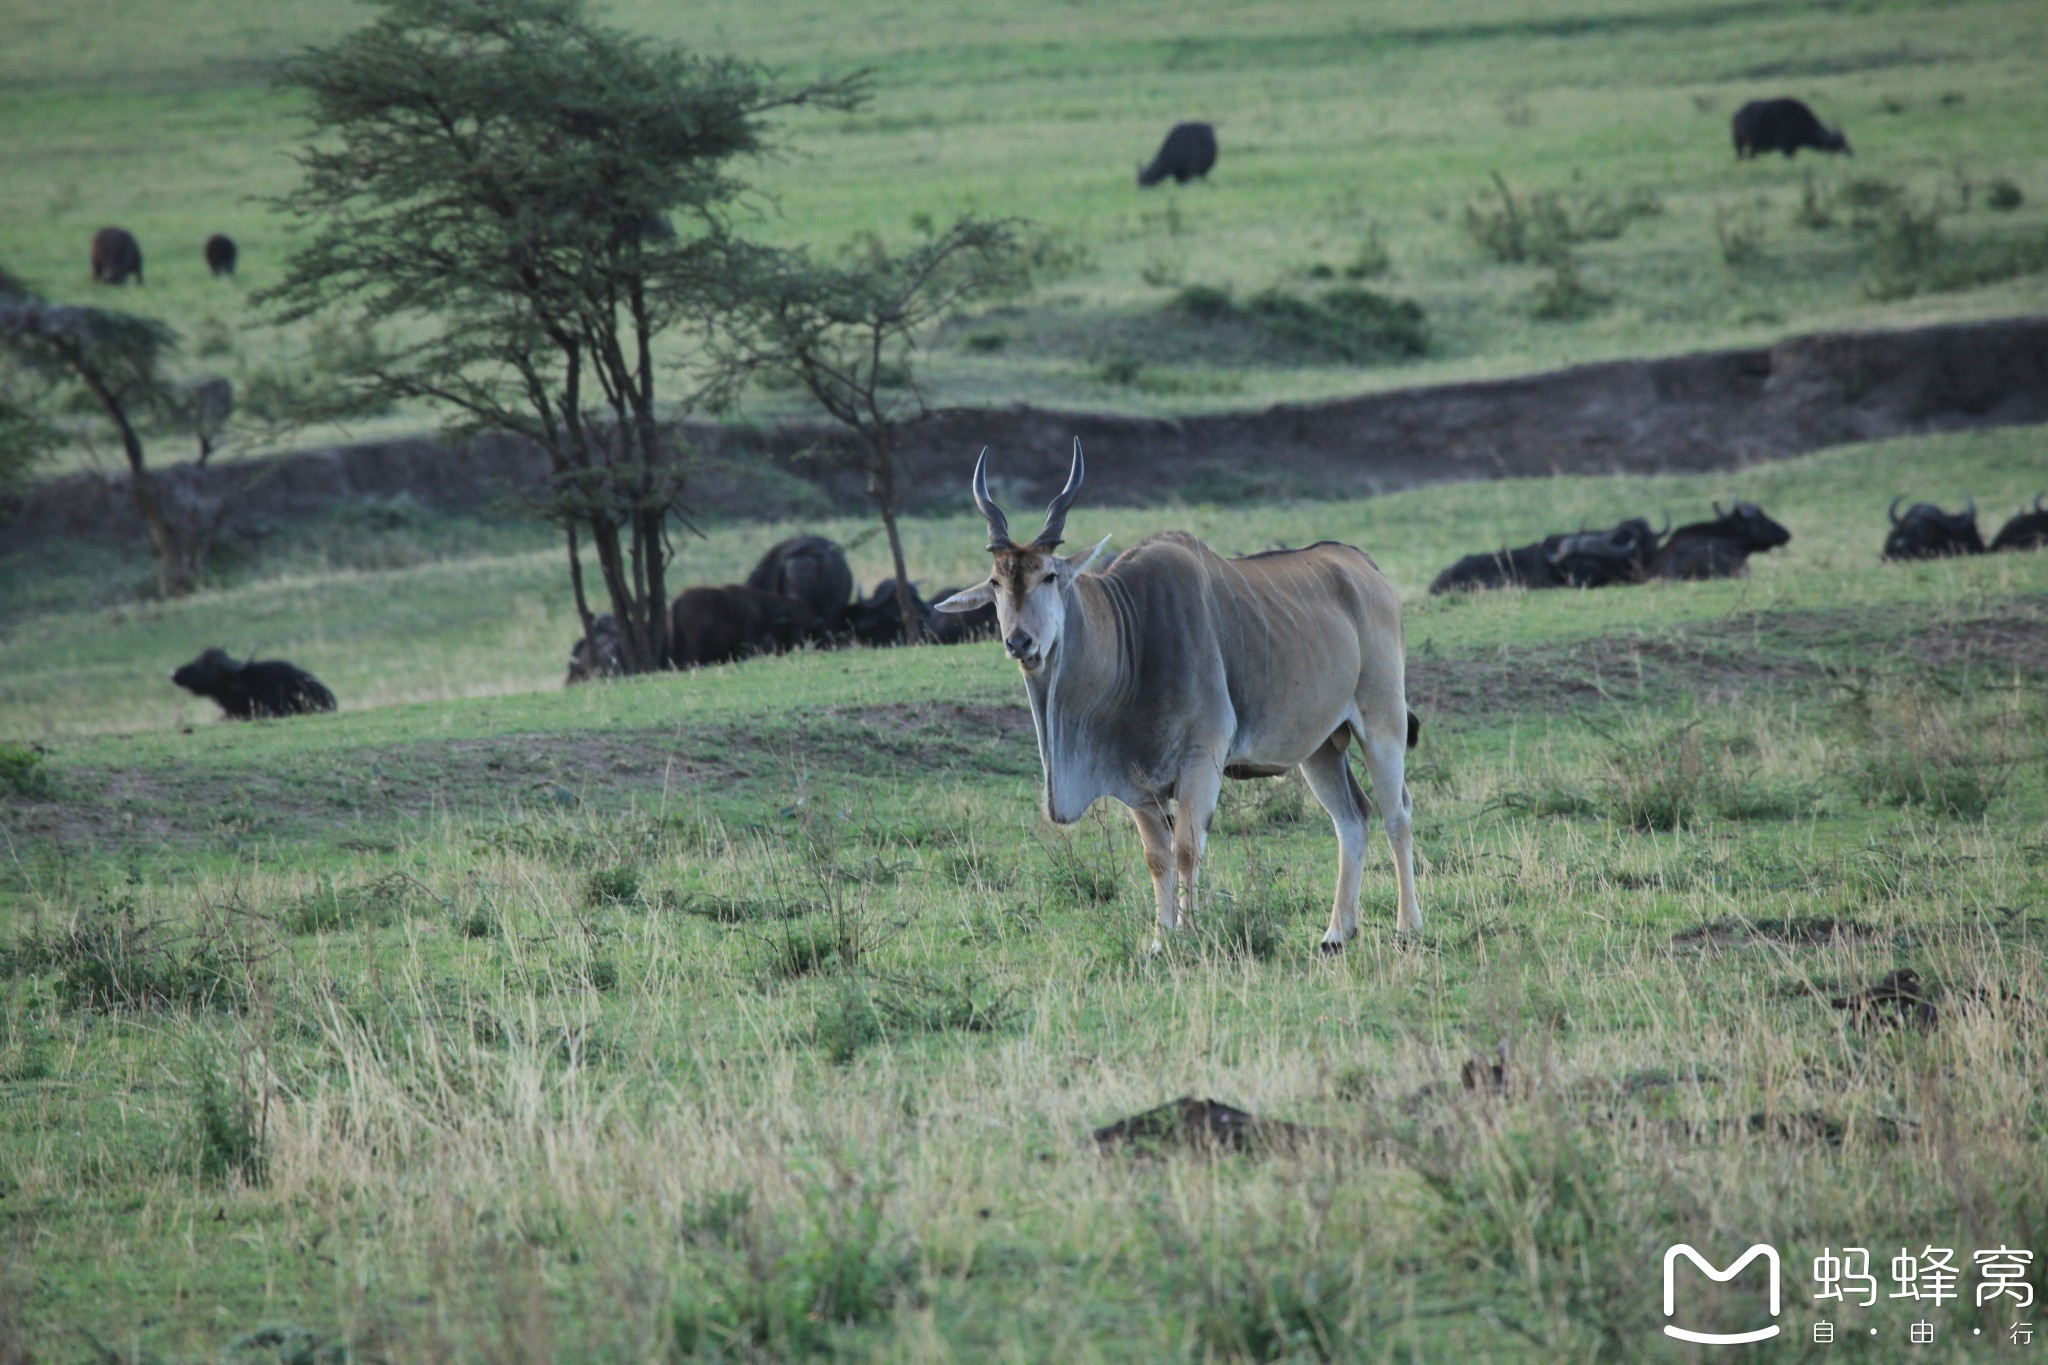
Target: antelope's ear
{"x":968,"y":599}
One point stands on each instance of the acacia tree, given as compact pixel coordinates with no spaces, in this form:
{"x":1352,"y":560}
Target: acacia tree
{"x":118,"y":359}
{"x":850,"y":334}
{"x":534,"y":199}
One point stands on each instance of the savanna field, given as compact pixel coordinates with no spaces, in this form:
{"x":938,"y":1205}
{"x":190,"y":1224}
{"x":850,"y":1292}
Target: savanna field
{"x":753,"y":1013}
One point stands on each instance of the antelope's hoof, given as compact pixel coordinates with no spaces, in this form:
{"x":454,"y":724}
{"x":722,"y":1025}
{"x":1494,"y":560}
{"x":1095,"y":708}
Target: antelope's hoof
{"x":1330,"y":947}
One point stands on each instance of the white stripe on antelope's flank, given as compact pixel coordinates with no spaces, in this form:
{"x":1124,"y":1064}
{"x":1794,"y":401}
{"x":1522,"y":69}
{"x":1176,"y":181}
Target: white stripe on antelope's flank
{"x":1174,"y":668}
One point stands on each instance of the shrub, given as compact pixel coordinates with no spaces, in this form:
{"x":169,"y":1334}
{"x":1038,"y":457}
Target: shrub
{"x":986,"y":343}
{"x":1739,"y":232}
{"x":111,"y":960}
{"x":22,"y":772}
{"x":229,"y":1118}
{"x":334,"y":906}
{"x":1262,"y":1313}
{"x":778,"y":1292}
{"x":1206,"y":302}
{"x":932,"y":1004}
{"x":1120,"y":368}
{"x":1348,"y":323}
{"x":1372,"y":260}
{"x":2003,"y":195}
{"x":1813,"y":212}
{"x":618,"y":885}
{"x":1565,"y":296}
{"x":1548,"y":223}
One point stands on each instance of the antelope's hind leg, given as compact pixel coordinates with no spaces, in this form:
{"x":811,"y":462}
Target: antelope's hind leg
{"x":1329,"y":777}
{"x":1386,"y":759}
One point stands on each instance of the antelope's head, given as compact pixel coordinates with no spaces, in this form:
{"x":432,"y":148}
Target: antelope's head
{"x":1028,"y":583}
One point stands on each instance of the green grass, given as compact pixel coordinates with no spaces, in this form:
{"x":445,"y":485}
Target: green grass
{"x":1344,"y":134}
{"x":755,"y":1013}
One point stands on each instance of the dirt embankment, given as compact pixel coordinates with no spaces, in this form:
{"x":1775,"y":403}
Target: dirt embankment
{"x":1713,"y":410}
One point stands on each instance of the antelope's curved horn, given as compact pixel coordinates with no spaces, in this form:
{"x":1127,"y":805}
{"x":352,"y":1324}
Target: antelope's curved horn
{"x":1893,"y":510}
{"x":1056,"y":514}
{"x":998,"y":524}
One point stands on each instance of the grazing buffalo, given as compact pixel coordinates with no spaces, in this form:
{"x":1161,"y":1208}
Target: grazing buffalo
{"x":115,"y":256}
{"x":598,"y":654}
{"x":1720,"y":548}
{"x":260,"y":687}
{"x":1600,"y":559}
{"x":1783,"y":125}
{"x":1174,"y":668}
{"x":1526,"y":566}
{"x":221,"y":253}
{"x":1927,"y":532}
{"x":719,"y":625}
{"x":813,"y":571}
{"x":2026,"y":531}
{"x":1188,"y":152}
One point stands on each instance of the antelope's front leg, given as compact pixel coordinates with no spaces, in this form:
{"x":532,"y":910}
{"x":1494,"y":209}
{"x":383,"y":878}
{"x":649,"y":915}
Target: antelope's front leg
{"x":1158,"y":840}
{"x":1195,"y":808}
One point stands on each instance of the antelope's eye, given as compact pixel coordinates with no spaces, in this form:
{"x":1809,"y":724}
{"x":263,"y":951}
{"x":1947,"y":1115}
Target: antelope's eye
{"x":1050,"y":577}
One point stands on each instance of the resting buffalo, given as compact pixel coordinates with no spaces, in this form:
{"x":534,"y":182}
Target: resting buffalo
{"x":1600,"y":559}
{"x":1720,"y":548}
{"x":2026,"y":531}
{"x":877,"y":619}
{"x":1525,"y":566}
{"x":812,"y":570}
{"x":959,"y":627}
{"x":1189,"y":151}
{"x":1783,"y":125}
{"x":718,"y":625}
{"x":606,"y":660}
{"x":221,"y":254}
{"x":260,"y":687}
{"x":1927,"y":532}
{"x":115,"y":256}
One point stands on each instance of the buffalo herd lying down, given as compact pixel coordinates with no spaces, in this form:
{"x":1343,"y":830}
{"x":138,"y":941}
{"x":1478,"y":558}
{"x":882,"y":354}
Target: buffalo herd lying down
{"x":1632,"y":552}
{"x":801,"y":593}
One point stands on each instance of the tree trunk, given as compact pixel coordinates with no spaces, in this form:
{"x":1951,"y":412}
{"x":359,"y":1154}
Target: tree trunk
{"x":582,"y":601}
{"x":174,"y":569}
{"x":885,"y":498}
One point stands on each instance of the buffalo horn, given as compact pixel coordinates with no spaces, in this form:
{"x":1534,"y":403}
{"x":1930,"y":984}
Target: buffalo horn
{"x":1893,"y":510}
{"x":1970,"y":512}
{"x":1665,"y":529}
{"x":1717,"y":509}
{"x":1056,"y":514}
{"x":998,"y":524}
{"x":2037,"y":501}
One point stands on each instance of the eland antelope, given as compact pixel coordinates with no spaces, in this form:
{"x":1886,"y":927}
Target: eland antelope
{"x":1174,"y":668}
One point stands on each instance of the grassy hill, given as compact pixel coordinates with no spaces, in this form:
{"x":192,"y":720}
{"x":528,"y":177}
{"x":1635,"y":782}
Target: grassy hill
{"x":1348,"y":134}
{"x":753,"y":1013}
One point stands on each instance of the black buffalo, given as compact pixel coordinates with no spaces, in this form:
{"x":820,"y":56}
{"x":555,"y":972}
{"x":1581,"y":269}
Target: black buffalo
{"x":1601,"y":559}
{"x":2026,"y":531}
{"x":221,"y":254}
{"x":1525,"y":566}
{"x":260,"y":687}
{"x":959,"y":627}
{"x":719,"y":625}
{"x":812,"y":570}
{"x":1188,"y":152}
{"x":598,"y":654}
{"x":115,"y":256}
{"x":1927,"y":532}
{"x":1783,"y":125}
{"x":1720,"y":548}
{"x":877,"y":619}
